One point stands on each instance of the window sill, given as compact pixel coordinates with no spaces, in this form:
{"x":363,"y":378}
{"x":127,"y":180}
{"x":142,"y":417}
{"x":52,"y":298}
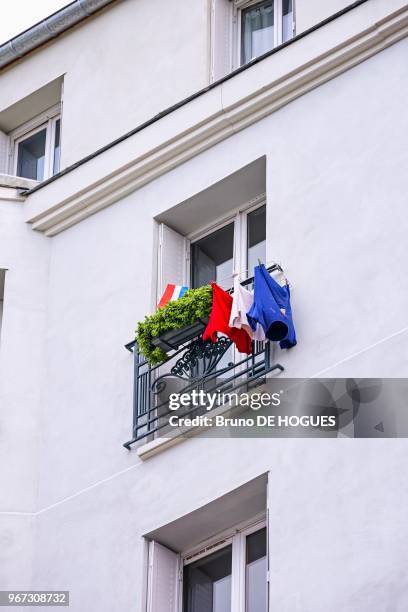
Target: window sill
{"x":17,"y":182}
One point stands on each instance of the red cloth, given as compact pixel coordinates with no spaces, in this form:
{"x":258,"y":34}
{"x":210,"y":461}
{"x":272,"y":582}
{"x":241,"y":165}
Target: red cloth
{"x":219,"y":321}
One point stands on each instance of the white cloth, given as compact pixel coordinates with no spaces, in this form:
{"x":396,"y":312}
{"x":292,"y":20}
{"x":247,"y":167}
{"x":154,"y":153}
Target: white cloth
{"x":242,"y":301}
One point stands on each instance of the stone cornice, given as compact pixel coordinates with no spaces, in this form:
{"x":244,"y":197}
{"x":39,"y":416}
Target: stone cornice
{"x":217,"y":114}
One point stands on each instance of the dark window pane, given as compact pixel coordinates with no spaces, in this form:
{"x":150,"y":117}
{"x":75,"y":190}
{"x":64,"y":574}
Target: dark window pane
{"x":256,"y":222}
{"x":256,"y":568}
{"x":31,"y":156}
{"x":257,"y":30}
{"x":256,"y":546}
{"x":212,"y":258}
{"x":57,"y":147}
{"x":207,"y":583}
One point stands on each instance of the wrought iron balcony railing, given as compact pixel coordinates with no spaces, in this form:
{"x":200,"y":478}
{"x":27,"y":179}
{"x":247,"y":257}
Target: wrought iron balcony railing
{"x":197,"y":365}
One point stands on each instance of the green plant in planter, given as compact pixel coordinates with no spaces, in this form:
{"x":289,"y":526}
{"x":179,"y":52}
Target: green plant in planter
{"x":195,"y":304}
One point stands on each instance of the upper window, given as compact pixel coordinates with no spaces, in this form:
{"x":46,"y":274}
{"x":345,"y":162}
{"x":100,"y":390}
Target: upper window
{"x":263,"y":26}
{"x":36,"y":148}
{"x":234,"y":247}
{"x":212,"y":257}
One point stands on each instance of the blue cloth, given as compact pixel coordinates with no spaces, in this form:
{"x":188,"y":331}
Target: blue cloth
{"x":269,"y":299}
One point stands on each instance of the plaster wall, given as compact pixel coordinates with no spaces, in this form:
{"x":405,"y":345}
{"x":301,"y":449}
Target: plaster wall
{"x":334,"y":174}
{"x":24,"y":256}
{"x":310,"y":12}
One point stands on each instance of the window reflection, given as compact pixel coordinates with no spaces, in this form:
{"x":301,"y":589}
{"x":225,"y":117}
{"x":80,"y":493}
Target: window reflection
{"x":212,"y":258}
{"x":257,"y":34}
{"x":31,"y":156}
{"x":207,"y":583}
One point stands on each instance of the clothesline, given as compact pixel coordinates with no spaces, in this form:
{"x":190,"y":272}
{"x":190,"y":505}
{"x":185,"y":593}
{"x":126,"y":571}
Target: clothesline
{"x":267,"y":265}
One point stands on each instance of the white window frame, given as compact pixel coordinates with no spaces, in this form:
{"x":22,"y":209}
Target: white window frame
{"x":239,"y":217}
{"x":238,"y":7}
{"x":47,"y":120}
{"x":237,"y":538}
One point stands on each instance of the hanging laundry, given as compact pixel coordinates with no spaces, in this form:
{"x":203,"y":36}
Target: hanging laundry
{"x":171,"y":293}
{"x":242,"y":301}
{"x":272,"y":309}
{"x":219,"y":322}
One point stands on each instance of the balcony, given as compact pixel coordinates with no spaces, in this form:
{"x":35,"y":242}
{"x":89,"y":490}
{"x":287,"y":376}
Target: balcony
{"x":196,"y":365}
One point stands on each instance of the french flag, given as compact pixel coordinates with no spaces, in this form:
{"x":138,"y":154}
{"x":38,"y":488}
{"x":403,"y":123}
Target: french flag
{"x":171,"y":293}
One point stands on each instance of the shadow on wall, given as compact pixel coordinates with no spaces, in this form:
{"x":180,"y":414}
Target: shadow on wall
{"x":2,"y":277}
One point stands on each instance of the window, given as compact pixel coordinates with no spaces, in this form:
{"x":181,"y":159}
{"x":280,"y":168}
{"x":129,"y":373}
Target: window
{"x":235,"y":247}
{"x":207,"y":583}
{"x":255,"y":572}
{"x":214,"y":559}
{"x":229,"y":574}
{"x":212,"y":258}
{"x":31,"y":156}
{"x":36,"y":147}
{"x":257,"y":30}
{"x":244,"y":29}
{"x":263,"y":26}
{"x":287,"y":20}
{"x":57,"y":147}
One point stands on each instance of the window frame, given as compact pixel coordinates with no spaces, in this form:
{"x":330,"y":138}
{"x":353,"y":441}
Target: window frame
{"x":237,"y":538}
{"x":48,"y":121}
{"x":238,"y":8}
{"x":239,"y":217}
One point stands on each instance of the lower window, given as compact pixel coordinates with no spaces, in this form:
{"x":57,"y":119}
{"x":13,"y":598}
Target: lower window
{"x":256,"y":572}
{"x":207,"y":583}
{"x":232,"y":576}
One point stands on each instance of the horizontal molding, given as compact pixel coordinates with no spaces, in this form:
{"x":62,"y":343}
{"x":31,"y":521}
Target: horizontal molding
{"x":223,"y":122}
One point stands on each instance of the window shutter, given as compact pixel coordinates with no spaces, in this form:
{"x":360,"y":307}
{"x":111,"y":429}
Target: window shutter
{"x":163,"y":577}
{"x":222,"y":11}
{"x":173,"y":259}
{"x":3,"y":153}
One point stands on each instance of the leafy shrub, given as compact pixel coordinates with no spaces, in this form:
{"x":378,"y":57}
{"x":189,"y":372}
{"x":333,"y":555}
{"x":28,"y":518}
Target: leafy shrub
{"x":195,"y":304}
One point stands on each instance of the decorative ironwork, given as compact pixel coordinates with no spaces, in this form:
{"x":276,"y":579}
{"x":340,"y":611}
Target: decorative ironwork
{"x":198,"y":362}
{"x":203,"y":352}
{"x":196,"y":365}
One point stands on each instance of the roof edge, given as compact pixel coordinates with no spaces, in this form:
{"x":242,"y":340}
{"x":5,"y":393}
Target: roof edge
{"x":48,"y":28}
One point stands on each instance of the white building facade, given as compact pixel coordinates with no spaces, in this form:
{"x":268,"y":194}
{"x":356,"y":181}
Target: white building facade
{"x":132,"y":142}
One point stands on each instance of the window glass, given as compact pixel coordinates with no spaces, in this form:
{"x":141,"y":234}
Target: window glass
{"x":212,"y":258}
{"x":207,"y":583}
{"x":256,"y":227}
{"x":257,"y":30}
{"x":256,"y":571}
{"x":287,"y":20}
{"x":57,"y":148}
{"x":31,"y":156}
